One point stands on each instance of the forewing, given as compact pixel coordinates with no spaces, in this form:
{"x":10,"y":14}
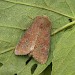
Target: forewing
{"x":42,"y":44}
{"x":27,"y":42}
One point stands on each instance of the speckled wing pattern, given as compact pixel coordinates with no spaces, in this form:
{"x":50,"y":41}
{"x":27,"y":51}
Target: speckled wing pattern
{"x":36,"y":40}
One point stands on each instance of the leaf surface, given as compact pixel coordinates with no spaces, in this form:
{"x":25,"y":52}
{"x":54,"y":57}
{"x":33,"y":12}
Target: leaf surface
{"x":64,"y":55}
{"x":15,"y":17}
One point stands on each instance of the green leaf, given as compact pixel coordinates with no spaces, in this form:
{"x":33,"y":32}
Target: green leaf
{"x":64,"y":55}
{"x":15,"y":17}
{"x":47,"y":71}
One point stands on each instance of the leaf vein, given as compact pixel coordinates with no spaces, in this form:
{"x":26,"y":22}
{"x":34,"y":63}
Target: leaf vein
{"x":37,"y":6}
{"x":69,"y":7}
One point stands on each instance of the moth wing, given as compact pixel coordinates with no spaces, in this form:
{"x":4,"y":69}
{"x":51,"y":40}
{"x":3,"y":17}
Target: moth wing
{"x":36,"y":40}
{"x":27,"y":42}
{"x":42,"y":45}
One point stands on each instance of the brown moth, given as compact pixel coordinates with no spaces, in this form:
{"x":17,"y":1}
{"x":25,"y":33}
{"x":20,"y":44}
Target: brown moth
{"x":36,"y":40}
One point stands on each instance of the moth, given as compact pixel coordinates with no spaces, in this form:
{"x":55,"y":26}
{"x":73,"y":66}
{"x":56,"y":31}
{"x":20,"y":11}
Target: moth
{"x":36,"y":40}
